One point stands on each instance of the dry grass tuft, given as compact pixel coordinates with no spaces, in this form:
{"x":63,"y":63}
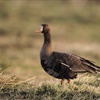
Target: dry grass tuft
{"x":84,"y":87}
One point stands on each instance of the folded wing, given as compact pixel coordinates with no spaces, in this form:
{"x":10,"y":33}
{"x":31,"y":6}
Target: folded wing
{"x":75,"y":63}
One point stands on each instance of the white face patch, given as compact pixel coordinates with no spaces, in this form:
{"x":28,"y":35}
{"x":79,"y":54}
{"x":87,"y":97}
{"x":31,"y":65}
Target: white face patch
{"x":41,"y":28}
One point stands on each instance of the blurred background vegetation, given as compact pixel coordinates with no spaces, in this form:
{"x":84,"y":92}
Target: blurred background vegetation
{"x":75,"y":28}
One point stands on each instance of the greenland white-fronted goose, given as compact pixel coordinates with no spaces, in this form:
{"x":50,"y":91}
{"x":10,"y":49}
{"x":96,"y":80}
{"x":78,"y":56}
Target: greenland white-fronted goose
{"x":62,"y":65}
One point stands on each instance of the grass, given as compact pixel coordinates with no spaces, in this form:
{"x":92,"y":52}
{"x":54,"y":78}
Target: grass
{"x":84,"y":88}
{"x":74,"y":26}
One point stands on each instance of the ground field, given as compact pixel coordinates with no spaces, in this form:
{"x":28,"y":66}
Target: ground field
{"x":75,"y":28}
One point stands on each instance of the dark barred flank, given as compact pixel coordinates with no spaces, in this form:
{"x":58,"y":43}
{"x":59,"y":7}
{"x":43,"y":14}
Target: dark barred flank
{"x":63,"y":65}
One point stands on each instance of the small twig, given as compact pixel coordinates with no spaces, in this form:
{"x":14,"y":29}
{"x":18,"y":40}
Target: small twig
{"x":24,"y":81}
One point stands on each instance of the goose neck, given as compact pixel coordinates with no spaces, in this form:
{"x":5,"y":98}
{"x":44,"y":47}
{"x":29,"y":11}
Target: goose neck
{"x":47,"y":38}
{"x":46,"y":49}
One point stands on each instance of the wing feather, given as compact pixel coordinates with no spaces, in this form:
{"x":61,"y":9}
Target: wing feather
{"x":76,"y":63}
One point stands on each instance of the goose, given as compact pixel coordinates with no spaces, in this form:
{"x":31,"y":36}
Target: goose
{"x":64,"y":66}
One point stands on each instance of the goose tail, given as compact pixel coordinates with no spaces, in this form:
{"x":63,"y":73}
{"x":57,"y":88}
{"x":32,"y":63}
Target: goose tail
{"x":91,"y":66}
{"x":97,"y":69}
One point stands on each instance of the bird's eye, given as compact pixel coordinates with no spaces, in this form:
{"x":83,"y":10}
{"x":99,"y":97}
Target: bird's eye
{"x":41,"y":28}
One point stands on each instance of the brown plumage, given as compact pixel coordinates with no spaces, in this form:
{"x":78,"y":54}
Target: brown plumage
{"x":62,"y":65}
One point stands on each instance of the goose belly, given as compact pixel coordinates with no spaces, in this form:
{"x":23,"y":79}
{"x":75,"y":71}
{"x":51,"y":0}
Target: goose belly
{"x":50,"y":70}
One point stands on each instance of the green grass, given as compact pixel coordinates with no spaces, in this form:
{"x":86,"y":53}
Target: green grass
{"x":75,"y":28}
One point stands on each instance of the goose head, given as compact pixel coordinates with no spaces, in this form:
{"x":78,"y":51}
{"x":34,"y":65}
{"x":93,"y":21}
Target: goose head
{"x":44,"y":28}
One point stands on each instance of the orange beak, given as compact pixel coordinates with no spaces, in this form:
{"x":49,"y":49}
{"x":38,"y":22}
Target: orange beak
{"x":38,"y":31}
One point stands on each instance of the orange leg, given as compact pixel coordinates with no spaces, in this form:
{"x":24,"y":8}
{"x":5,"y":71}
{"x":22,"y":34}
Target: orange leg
{"x":68,"y":81}
{"x":62,"y":82}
